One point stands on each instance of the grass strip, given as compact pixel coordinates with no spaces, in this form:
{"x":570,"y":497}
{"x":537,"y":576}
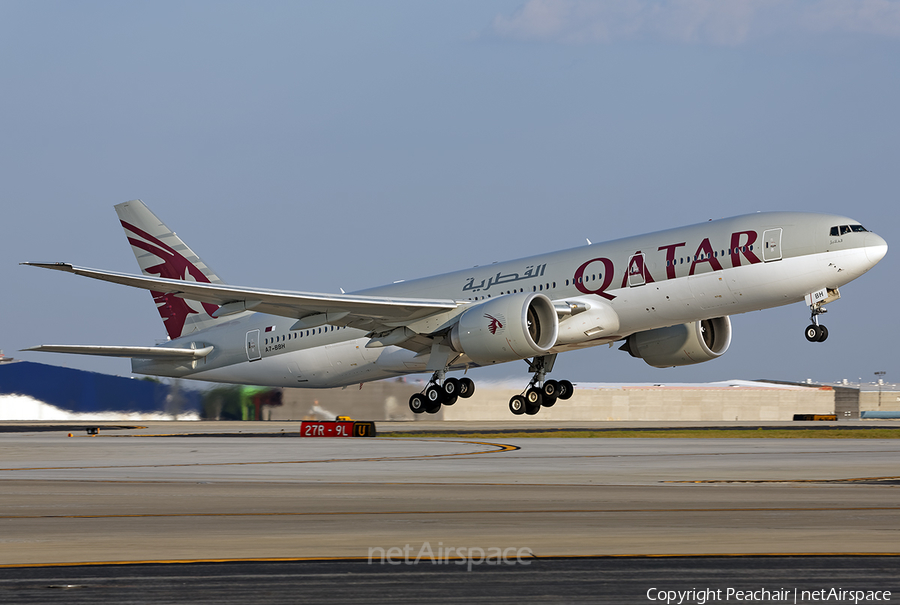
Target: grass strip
{"x":758,"y":433}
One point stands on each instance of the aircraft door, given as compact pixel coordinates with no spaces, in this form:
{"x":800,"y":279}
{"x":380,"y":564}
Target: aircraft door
{"x":253,"y":352}
{"x":636,"y":270}
{"x":772,"y":244}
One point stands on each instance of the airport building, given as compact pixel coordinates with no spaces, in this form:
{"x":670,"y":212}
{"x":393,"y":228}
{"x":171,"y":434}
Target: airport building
{"x":729,"y":401}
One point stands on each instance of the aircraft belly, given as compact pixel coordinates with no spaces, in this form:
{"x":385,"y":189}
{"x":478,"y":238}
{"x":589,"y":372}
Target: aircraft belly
{"x":710,"y":290}
{"x":791,"y":279}
{"x":329,"y":366}
{"x":733,"y":291}
{"x":275,"y":370}
{"x":400,"y":361}
{"x":654,"y":305}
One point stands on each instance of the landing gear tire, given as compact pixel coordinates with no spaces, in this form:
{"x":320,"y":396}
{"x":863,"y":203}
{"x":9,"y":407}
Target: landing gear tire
{"x":466,"y":387}
{"x":550,"y":389}
{"x":451,"y":388}
{"x":814,"y":333}
{"x":434,"y":394}
{"x":533,"y":400}
{"x":517,"y":405}
{"x":565,"y":389}
{"x":433,"y":408}
{"x":451,"y":400}
{"x":823,"y":335}
{"x":549,"y":393}
{"x":418,"y":403}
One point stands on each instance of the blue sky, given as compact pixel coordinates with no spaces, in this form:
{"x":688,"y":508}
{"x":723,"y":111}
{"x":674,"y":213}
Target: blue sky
{"x":324,"y":145}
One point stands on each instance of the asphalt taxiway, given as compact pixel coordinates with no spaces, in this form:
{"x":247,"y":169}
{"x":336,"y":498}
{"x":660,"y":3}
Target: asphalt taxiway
{"x":207,"y":492}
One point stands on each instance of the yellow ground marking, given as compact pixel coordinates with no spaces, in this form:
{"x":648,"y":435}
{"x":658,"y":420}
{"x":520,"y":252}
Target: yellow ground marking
{"x":532,"y":557}
{"x":499,"y":448}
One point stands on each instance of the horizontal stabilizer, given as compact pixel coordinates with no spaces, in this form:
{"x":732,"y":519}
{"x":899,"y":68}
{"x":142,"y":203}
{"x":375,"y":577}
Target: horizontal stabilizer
{"x":113,"y":351}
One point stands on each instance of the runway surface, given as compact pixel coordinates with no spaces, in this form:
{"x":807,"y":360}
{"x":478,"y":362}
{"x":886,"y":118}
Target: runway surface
{"x":592,"y":580}
{"x":119,"y":497}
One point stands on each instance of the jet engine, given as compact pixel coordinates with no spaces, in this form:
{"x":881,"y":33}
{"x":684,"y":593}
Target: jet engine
{"x":681,"y":345}
{"x":506,"y":328}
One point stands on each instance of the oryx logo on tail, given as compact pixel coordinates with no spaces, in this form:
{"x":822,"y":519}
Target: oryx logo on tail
{"x":173,"y":310}
{"x":160,"y":252}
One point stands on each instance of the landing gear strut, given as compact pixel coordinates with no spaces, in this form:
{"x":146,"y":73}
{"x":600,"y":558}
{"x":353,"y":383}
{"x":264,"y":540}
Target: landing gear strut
{"x":814,"y":331}
{"x":441,"y":391}
{"x":540,"y":392}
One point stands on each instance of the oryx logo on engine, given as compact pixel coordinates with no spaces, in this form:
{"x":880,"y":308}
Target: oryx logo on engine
{"x":495,"y":324}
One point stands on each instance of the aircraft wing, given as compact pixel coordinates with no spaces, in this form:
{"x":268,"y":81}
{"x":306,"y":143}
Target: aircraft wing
{"x":170,"y":353}
{"x":365,"y":312}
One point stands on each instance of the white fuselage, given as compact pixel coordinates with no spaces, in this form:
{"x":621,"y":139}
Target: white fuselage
{"x":713,"y":269}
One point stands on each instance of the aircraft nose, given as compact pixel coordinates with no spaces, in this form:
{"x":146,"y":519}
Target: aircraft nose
{"x":876,"y":247}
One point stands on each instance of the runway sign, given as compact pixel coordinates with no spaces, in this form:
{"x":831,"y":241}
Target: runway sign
{"x":337,"y":429}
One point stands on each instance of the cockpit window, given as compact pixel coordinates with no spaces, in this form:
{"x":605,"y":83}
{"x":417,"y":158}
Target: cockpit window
{"x":844,"y":229}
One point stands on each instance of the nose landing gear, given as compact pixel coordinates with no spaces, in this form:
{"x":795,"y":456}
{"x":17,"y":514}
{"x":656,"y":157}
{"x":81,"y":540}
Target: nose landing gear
{"x":814,"y":331}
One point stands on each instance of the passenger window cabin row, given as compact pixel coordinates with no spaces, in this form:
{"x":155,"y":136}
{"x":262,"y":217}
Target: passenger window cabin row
{"x":299,"y":334}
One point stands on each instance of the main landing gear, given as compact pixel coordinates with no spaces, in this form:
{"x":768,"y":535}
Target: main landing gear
{"x":540,"y":392}
{"x":814,"y":331}
{"x":441,"y":391}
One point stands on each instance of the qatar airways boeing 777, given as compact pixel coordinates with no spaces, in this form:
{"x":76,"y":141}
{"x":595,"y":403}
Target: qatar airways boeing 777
{"x":666,"y":295}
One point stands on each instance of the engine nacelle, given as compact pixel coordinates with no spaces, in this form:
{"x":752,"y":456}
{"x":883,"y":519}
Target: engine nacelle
{"x":506,"y":328}
{"x":681,"y":345}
